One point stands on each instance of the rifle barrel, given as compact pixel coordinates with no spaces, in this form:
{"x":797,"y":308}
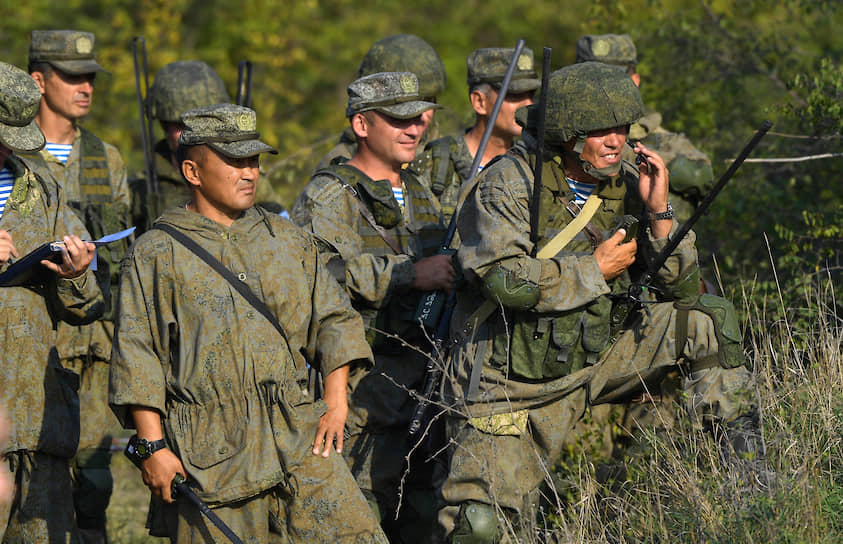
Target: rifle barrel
{"x":705,"y":204}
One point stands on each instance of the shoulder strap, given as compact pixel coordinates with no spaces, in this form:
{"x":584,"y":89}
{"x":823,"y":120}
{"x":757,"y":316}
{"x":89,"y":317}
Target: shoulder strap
{"x":94,"y":175}
{"x":229,"y":276}
{"x":361,"y":207}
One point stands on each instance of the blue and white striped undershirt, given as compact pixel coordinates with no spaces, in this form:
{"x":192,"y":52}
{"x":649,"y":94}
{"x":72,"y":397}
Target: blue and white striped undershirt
{"x":7,"y":181}
{"x":398,"y":192}
{"x":581,"y":190}
{"x":59,"y":151}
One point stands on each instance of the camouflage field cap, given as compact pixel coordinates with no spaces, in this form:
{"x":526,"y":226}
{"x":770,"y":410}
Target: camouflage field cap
{"x":407,"y":53}
{"x":70,"y":51}
{"x":616,"y":49}
{"x":183,"y":86}
{"x":489,"y":65}
{"x":19,"y":100}
{"x":226,"y":128}
{"x":582,"y":98}
{"x":395,"y":94}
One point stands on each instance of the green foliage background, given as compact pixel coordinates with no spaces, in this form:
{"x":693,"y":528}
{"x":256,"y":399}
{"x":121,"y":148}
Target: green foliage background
{"x":715,"y":68}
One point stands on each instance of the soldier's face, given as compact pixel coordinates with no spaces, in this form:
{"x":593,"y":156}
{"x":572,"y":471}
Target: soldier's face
{"x":603,"y":147}
{"x":393,"y":140}
{"x":505,"y":123}
{"x":66,"y":95}
{"x":225,"y":185}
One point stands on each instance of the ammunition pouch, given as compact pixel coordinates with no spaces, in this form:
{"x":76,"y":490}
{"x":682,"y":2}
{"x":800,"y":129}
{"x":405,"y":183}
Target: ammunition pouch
{"x":688,"y":287}
{"x":543,"y":346}
{"x":726,"y":327}
{"x":378,"y":197}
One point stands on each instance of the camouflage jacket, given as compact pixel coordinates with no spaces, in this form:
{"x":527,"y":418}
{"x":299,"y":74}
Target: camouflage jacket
{"x":99,"y":194}
{"x":691,"y":177}
{"x":443,"y":167}
{"x":565,"y":332}
{"x":233,"y":394}
{"x":378,"y":280}
{"x":36,"y":393}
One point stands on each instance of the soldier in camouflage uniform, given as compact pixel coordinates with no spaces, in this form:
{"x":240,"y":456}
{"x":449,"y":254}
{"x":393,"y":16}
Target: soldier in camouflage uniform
{"x":37,"y":394}
{"x":179,"y":87}
{"x":93,"y":177}
{"x":446,"y":162}
{"x":691,"y":177}
{"x":540,"y":337}
{"x":398,"y":53}
{"x":217,"y":391}
{"x":383,"y":249}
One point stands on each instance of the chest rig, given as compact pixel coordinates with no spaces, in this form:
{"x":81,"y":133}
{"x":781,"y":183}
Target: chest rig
{"x":548,"y":345}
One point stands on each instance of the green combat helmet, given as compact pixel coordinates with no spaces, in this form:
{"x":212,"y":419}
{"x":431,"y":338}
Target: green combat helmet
{"x":182,"y":86}
{"x":615,"y":49}
{"x":583,"y":98}
{"x":407,"y":53}
{"x":489,"y":65}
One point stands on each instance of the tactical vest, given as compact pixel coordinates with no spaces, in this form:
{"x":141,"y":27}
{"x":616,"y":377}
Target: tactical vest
{"x":550,"y":345}
{"x":449,"y":167}
{"x":94,"y":178}
{"x":419,"y":232}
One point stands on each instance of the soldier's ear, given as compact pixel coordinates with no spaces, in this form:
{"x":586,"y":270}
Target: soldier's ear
{"x":190,"y":171}
{"x":360,"y":125}
{"x":39,"y":79}
{"x":480,"y":102}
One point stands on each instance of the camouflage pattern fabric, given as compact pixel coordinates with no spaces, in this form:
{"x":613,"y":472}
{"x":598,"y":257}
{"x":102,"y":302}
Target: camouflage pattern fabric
{"x":489,"y":65}
{"x":380,"y":285}
{"x":86,"y":350}
{"x":41,"y":512}
{"x":71,"y":51}
{"x":615,"y":49}
{"x":37,"y":394}
{"x":182,"y":86}
{"x":495,"y":230}
{"x":442,"y":167}
{"x":395,"y":94}
{"x":407,"y":53}
{"x":184,"y":333}
{"x":326,"y":507}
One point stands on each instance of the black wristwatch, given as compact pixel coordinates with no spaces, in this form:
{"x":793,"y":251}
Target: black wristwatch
{"x":667,"y":214}
{"x":139,"y":449}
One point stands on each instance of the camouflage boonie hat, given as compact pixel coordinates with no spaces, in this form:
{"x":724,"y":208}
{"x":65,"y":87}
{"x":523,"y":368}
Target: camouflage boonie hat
{"x":183,"y":86}
{"x":407,"y":53}
{"x":616,"y":49}
{"x":395,"y":94}
{"x":70,"y":51}
{"x":489,"y":65}
{"x":582,"y":98}
{"x":226,"y":128}
{"x":19,"y":100}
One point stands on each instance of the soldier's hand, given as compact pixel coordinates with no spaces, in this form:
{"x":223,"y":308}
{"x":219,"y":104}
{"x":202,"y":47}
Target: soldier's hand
{"x":434,"y":273}
{"x":158,"y":472}
{"x":331,"y":429}
{"x":75,"y":259}
{"x":613,"y":256}
{"x":7,"y":247}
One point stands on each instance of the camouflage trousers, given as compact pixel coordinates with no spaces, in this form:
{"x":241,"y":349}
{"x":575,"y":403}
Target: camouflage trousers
{"x":403,"y":495}
{"x":507,"y":469}
{"x":90,"y":468}
{"x":326,"y":506}
{"x":41,"y":510}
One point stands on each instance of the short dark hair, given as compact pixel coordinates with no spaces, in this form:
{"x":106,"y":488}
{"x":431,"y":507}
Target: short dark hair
{"x":41,"y":66}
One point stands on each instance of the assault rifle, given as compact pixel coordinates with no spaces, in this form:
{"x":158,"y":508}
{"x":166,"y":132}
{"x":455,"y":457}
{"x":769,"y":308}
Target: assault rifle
{"x":431,"y":309}
{"x":244,"y":83}
{"x":633,"y":298}
{"x":139,"y":49}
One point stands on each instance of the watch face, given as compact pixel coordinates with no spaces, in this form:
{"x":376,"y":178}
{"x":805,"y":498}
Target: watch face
{"x":142,"y":449}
